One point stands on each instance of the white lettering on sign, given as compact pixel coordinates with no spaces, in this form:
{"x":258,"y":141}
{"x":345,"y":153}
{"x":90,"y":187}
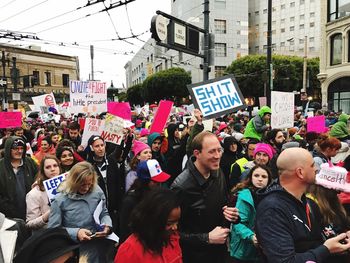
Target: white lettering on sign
{"x":180,"y":34}
{"x":282,"y":107}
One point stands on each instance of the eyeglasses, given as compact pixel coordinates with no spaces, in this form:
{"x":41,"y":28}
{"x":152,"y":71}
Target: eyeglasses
{"x":18,"y":149}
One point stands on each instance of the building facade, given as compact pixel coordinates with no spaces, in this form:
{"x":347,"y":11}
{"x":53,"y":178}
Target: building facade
{"x":292,"y":20}
{"x":228,"y":23}
{"x":38,"y":73}
{"x":335,"y":55}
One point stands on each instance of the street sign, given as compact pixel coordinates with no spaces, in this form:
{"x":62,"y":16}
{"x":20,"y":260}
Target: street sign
{"x":3,"y":82}
{"x":16,"y":96}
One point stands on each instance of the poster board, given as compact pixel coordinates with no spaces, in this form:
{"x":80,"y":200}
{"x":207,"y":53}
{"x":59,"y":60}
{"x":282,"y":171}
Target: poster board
{"x":282,"y":108}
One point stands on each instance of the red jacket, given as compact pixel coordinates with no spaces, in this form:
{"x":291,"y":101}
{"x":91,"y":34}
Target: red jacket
{"x":132,"y":251}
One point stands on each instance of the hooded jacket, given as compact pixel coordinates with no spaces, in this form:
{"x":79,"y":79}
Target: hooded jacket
{"x":157,"y":155}
{"x":285,"y":230}
{"x":229,"y":157}
{"x":257,"y":126}
{"x":340,"y":129}
{"x":8,"y":199}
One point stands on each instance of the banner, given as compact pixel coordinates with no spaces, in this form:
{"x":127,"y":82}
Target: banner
{"x":113,"y":129}
{"x":316,"y":124}
{"x":161,"y":116}
{"x":43,"y":102}
{"x":282,"y":108}
{"x":92,"y":127}
{"x":10,"y":119}
{"x":52,"y":184}
{"x":333,"y":177}
{"x":120,"y":109}
{"x":88,"y":96}
{"x":217,"y":97}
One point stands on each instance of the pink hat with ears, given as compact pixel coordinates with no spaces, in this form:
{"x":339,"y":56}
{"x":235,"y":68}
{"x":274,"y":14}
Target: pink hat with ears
{"x":139,"y":147}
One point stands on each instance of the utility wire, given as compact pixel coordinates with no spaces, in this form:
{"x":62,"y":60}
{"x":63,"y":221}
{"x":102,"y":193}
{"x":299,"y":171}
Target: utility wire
{"x":7,"y":4}
{"x":25,"y":10}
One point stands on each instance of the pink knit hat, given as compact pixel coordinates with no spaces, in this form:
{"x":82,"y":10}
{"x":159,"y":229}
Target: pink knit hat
{"x":265,"y":148}
{"x":139,"y":147}
{"x":144,"y":132}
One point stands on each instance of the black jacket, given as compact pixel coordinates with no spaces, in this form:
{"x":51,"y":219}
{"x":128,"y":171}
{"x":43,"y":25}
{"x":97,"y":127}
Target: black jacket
{"x":201,"y":211}
{"x":283,"y":229}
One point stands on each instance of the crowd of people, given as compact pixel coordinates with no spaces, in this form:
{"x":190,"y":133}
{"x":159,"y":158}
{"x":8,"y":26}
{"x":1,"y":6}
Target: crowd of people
{"x":240,"y":192}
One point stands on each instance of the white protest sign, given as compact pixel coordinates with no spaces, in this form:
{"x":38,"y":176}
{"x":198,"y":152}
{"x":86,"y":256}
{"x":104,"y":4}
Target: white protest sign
{"x":113,"y":129}
{"x":42,"y":101}
{"x":52,"y":184}
{"x":92,"y":127}
{"x":282,"y":108}
{"x":217,"y":97}
{"x":88,"y":96}
{"x":208,"y":125}
{"x":29,"y":150}
{"x":333,"y":177}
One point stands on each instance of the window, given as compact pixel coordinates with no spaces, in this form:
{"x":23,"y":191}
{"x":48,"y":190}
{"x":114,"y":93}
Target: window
{"x":256,"y":48}
{"x":311,"y":39}
{"x":220,"y":50}
{"x":283,"y":30}
{"x":291,"y":28}
{"x":301,"y":40}
{"x":256,"y":13}
{"x":292,"y":4}
{"x":283,"y":20}
{"x":273,"y":23}
{"x":301,"y":26}
{"x":238,"y":23}
{"x":283,"y":6}
{"x":282,"y":44}
{"x":312,"y":24}
{"x":48,"y":78}
{"x":36,"y":78}
{"x":336,"y":49}
{"x":273,"y":32}
{"x":337,"y":9}
{"x":312,"y":14}
{"x":238,"y":46}
{"x":265,"y":11}
{"x":220,"y":4}
{"x":238,"y":32}
{"x":311,"y":49}
{"x":302,"y":17}
{"x":219,"y":71}
{"x":302,"y":2}
{"x":65,"y":80}
{"x":220,"y":26}
{"x":274,"y":9}
{"x":291,"y":19}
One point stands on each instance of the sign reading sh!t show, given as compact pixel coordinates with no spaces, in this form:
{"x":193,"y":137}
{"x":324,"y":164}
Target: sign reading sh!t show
{"x":217,"y":96}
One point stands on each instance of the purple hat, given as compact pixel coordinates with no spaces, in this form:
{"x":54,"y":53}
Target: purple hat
{"x":263,"y":147}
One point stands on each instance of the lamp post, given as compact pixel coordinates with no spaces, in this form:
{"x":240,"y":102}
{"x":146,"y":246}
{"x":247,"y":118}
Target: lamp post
{"x":112,"y":92}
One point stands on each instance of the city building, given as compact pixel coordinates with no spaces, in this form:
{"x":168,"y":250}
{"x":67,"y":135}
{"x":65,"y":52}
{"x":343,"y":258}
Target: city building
{"x":293,"y":23}
{"x":228,"y":23}
{"x":335,"y":55}
{"x":38,"y":73}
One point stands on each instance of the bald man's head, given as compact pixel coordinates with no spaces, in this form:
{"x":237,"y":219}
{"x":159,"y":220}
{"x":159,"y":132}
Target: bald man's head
{"x":296,"y":161}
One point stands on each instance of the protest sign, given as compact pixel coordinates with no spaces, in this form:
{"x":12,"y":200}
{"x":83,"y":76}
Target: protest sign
{"x":52,"y":184}
{"x":88,"y":96}
{"x":208,"y":125}
{"x":42,"y":103}
{"x":316,"y":124}
{"x":29,"y":150}
{"x":10,"y":119}
{"x":113,"y":129}
{"x":333,"y":177}
{"x":92,"y":127}
{"x":262,"y":101}
{"x":161,"y":116}
{"x":120,"y":109}
{"x":217,"y":97}
{"x":282,"y":108}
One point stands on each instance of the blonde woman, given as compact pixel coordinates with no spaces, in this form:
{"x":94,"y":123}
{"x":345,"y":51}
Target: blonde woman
{"x":73,"y":210}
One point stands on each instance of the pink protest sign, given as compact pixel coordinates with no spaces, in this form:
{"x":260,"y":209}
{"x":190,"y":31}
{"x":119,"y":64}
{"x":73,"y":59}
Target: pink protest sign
{"x":120,"y":109}
{"x":161,"y":116}
{"x":10,"y":119}
{"x":316,"y":124}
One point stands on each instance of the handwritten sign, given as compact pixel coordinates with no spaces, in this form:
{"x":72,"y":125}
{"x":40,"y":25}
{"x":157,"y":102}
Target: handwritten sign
{"x":52,"y":184}
{"x":333,"y":177}
{"x":88,"y":96}
{"x":92,"y":127}
{"x":282,"y":108}
{"x":217,"y":97}
{"x":120,"y":109}
{"x":113,"y":129}
{"x":42,"y":103}
{"x":316,"y":124}
{"x":161,"y":116}
{"x":10,"y":119}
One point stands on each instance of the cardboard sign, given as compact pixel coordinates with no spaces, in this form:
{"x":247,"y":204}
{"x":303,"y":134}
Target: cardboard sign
{"x":217,"y":97}
{"x":52,"y":184}
{"x":113,"y":129}
{"x":262,"y":101}
{"x":43,"y":102}
{"x":316,"y":124}
{"x":282,"y":108}
{"x":92,"y":127}
{"x":10,"y":119}
{"x":120,"y":109}
{"x":161,"y":116}
{"x":333,"y":177}
{"x":88,"y":96}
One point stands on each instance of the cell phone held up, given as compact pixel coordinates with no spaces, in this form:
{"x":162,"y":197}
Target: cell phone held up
{"x":232,"y":200}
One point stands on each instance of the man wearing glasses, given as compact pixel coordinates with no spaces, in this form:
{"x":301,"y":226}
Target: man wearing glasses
{"x":17,"y":174}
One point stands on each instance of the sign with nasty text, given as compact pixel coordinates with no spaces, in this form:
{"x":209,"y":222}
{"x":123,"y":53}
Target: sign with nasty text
{"x":88,"y":96}
{"x":282,"y":108}
{"x":217,"y":97}
{"x":113,"y":129}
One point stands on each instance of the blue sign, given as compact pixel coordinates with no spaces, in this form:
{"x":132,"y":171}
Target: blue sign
{"x":217,"y":97}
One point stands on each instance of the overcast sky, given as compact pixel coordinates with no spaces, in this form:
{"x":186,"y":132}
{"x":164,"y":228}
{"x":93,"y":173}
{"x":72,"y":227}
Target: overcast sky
{"x":60,"y":23}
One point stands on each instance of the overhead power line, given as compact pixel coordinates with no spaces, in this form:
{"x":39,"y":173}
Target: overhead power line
{"x":7,"y":4}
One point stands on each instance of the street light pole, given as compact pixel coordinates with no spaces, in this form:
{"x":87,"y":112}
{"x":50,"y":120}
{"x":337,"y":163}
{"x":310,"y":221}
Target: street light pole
{"x":305,"y":65}
{"x":269,"y":53}
{"x":3,"y":61}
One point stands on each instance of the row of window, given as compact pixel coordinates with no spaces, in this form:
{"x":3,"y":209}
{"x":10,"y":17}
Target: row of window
{"x":220,"y":25}
{"x":283,"y":6}
{"x":338,"y":9}
{"x":34,"y":80}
